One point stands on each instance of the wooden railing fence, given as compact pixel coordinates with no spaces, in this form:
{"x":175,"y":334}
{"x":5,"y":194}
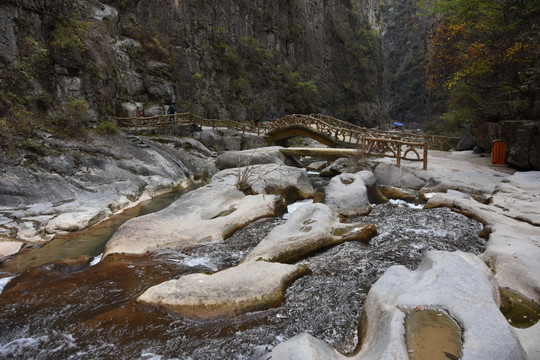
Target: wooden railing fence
{"x":161,"y":121}
{"x":373,"y":142}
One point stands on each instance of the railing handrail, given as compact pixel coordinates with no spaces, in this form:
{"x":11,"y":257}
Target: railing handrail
{"x":342,"y":131}
{"x":328,"y":121}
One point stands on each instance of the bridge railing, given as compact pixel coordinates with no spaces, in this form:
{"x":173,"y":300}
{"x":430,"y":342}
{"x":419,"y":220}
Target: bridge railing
{"x":152,"y":122}
{"x":341,"y":130}
{"x":400,"y":150}
{"x":350,"y":133}
{"x":162,"y":121}
{"x":250,"y":127}
{"x":374,"y":142}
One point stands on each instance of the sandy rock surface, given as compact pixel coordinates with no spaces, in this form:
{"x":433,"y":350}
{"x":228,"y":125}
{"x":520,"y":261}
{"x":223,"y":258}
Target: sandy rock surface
{"x":246,"y":287}
{"x":8,"y":248}
{"x":473,"y":303}
{"x":212,"y":212}
{"x":77,"y":184}
{"x":310,"y":228}
{"x":347,"y":194}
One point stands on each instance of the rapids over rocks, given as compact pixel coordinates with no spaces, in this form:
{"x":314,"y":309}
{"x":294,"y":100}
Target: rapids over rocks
{"x":61,"y":311}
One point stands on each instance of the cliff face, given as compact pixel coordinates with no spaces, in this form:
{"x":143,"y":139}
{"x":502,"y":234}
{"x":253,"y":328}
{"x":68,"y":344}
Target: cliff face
{"x":402,"y":39}
{"x":226,"y":59}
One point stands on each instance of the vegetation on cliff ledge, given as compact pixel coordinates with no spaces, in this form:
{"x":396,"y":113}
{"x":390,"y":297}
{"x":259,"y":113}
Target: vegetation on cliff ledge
{"x":485,"y":54}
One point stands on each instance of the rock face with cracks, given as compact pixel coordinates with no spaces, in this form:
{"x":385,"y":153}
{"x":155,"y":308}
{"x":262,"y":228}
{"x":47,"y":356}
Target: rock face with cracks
{"x":212,"y":212}
{"x":75,"y":184}
{"x":249,"y":286}
{"x":310,"y":228}
{"x":472,"y":302}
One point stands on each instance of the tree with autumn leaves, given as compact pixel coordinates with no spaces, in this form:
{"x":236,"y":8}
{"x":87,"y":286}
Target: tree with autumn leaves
{"x":486,"y":55}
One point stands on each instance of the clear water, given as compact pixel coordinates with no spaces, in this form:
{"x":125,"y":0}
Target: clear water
{"x":92,"y":314}
{"x":89,"y":242}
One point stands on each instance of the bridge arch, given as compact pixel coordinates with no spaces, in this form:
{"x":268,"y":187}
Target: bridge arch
{"x":282,"y":134}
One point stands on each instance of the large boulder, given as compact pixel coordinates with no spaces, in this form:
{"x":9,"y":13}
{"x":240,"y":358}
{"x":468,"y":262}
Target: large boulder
{"x":474,"y":304}
{"x":339,"y":166}
{"x":303,"y":347}
{"x":229,"y":140}
{"x":207,"y":214}
{"x":455,"y":283}
{"x":458,"y":170}
{"x":251,"y":141}
{"x":274,"y":178}
{"x":247,"y":287}
{"x":347,"y":194}
{"x":467,"y":141}
{"x":212,"y":212}
{"x":310,"y":228}
{"x":212,"y":139}
{"x":266,"y":155}
{"x":391,"y":175}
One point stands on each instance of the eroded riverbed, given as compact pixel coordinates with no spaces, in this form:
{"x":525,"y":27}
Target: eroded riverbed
{"x":92,"y":313}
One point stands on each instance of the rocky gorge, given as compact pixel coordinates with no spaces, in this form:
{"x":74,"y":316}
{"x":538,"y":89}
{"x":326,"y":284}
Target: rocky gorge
{"x":233,"y":59}
{"x":461,"y":285}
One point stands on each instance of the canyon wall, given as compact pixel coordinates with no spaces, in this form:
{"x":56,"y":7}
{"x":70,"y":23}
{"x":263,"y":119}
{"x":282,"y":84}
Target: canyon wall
{"x":225,"y":59}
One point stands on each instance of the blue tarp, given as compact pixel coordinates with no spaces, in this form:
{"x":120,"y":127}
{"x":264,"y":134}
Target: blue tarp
{"x":398,"y":124}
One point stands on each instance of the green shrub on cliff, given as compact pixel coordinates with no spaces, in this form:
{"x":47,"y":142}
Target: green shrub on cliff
{"x":71,"y":118}
{"x":69,"y":35}
{"x":300,"y":92}
{"x":19,"y":77}
{"x":105,"y":127}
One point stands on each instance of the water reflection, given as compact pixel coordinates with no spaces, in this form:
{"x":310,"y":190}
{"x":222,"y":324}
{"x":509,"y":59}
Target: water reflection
{"x":88,"y":242}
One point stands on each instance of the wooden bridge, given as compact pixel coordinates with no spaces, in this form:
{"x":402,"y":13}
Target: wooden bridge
{"x":337,"y":133}
{"x":325,"y":129}
{"x":161,"y":122}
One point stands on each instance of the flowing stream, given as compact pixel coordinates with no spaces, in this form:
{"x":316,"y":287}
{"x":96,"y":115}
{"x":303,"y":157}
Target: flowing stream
{"x":51,"y":313}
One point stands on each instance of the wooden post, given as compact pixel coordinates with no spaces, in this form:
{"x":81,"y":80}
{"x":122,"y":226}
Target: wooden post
{"x":398,"y":161}
{"x":363,"y":148}
{"x":426,"y":146}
